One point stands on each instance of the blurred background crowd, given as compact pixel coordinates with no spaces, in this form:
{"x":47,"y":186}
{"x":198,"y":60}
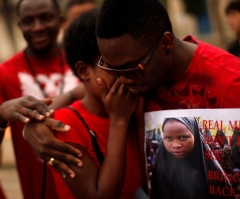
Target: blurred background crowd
{"x":207,"y":20}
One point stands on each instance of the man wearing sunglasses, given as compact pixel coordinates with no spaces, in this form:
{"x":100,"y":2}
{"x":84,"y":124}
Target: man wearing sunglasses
{"x":138,"y":45}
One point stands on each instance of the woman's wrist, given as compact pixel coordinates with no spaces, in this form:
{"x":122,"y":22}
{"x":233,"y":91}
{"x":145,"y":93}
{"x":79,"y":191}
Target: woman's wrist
{"x":119,"y":122}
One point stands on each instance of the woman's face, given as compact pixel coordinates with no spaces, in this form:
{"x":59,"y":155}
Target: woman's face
{"x":177,"y":138}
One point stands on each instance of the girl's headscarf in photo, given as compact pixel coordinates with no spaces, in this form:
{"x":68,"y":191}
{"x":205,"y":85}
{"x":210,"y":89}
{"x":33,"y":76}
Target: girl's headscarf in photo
{"x":197,"y":176}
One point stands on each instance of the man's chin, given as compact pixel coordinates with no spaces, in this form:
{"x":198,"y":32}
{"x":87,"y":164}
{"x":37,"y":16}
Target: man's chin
{"x":140,"y":90}
{"x":40,"y":50}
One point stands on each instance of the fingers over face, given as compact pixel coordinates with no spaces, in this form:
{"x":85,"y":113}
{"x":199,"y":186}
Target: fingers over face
{"x":115,"y":87}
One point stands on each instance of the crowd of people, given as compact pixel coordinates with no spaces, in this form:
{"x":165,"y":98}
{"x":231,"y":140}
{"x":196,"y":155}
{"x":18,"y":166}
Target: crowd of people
{"x":103,"y":71}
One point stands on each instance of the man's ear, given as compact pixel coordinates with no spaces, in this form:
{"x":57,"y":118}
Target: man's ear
{"x":167,"y":41}
{"x":83,"y":70}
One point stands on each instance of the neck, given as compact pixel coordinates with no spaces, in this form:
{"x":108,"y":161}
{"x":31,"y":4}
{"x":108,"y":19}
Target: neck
{"x":94,"y":105}
{"x":183,"y":54}
{"x":45,"y":54}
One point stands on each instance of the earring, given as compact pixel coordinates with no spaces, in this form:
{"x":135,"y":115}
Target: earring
{"x":168,"y":51}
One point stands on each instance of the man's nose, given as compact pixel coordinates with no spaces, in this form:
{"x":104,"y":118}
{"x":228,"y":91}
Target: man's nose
{"x":38,"y":25}
{"x":125,"y":80}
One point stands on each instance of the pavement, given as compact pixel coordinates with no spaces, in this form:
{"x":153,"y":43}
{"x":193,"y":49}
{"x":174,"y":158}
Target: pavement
{"x":9,"y":179}
{"x":10,"y":182}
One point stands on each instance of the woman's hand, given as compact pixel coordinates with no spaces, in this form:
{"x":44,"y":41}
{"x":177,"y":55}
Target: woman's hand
{"x":119,"y":102}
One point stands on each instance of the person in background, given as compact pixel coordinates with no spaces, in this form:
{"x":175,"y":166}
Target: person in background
{"x":39,"y":70}
{"x":198,"y":9}
{"x":221,"y":138}
{"x":74,"y":8}
{"x":233,"y":17}
{"x":227,"y":150}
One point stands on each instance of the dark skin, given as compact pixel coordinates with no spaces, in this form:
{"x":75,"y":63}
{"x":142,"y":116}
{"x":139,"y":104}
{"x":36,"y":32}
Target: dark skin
{"x":24,"y":109}
{"x":118,"y":104}
{"x":40,"y":23}
{"x":125,"y":50}
{"x":45,"y":144}
{"x":28,"y":108}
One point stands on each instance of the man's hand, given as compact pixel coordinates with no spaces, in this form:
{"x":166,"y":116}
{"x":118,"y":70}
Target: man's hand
{"x":40,"y":137}
{"x":24,"y":109}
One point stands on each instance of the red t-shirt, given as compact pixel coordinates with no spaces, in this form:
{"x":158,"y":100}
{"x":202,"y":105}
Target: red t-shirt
{"x":79,"y":135}
{"x":16,"y":80}
{"x":212,"y":80}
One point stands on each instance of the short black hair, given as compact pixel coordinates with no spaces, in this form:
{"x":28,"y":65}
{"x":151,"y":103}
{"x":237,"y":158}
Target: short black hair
{"x":55,"y":3}
{"x":80,"y":41}
{"x":232,"y":6}
{"x":77,"y":2}
{"x":144,"y":20}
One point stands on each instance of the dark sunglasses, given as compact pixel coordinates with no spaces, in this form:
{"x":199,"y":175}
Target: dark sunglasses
{"x":131,"y":73}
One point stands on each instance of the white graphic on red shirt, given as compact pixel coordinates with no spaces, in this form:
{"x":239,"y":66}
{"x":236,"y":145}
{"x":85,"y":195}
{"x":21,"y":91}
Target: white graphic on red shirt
{"x":50,"y":84}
